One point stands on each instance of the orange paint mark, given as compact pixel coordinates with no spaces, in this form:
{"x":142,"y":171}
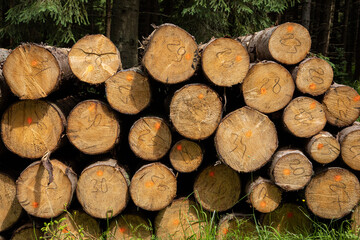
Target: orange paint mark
{"x":238,"y":58}
{"x":122,"y":229}
{"x":29,"y":120}
{"x":313,"y":105}
{"x":262,"y":204}
{"x":176,"y":222}
{"x":211,"y":174}
{"x":35,"y":204}
{"x":201,"y":96}
{"x":34,"y":63}
{"x":149,"y":184}
{"x":290,"y":28}
{"x":179,"y":147}
{"x":99,"y":173}
{"x":289,"y":214}
{"x":188,"y":56}
{"x":92,"y":107}
{"x":263,"y":91}
{"x":225,"y":231}
{"x":90,"y":68}
{"x":356,"y":98}
{"x":65,"y":230}
{"x":157,"y":125}
{"x":312,"y":86}
{"x":129,"y":77}
{"x":337,"y":178}
{"x":320,"y":146}
{"x":286,"y":172}
{"x":248,"y":133}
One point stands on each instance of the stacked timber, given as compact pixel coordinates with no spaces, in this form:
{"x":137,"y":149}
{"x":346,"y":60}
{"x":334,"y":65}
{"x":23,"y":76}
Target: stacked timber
{"x":235,"y":125}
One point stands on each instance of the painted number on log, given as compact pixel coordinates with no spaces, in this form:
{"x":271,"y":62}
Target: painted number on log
{"x":314,"y":75}
{"x":289,"y":40}
{"x":224,"y":58}
{"x":297,"y":171}
{"x":99,"y":185}
{"x":338,"y":190}
{"x":177,"y":49}
{"x":275,"y":81}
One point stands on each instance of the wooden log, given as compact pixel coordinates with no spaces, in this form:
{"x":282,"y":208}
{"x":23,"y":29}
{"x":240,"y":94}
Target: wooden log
{"x":235,"y":225}
{"x":129,"y":226}
{"x":182,"y":219}
{"x":103,"y":182}
{"x":304,"y":117}
{"x":289,"y":217}
{"x":291,"y":169}
{"x":27,"y":232}
{"x":268,"y":87}
{"x":128,"y":91}
{"x":5,"y":92}
{"x":94,"y":58}
{"x":263,"y":195}
{"x":195,"y":111}
{"x":355,"y":220}
{"x":33,"y":71}
{"x":323,"y":147}
{"x":313,"y":76}
{"x":186,"y":156}
{"x":32,"y":128}
{"x":39,"y":197}
{"x":76,"y":225}
{"x":153,"y":187}
{"x":288,"y":43}
{"x":171,"y":54}
{"x":333,"y":193}
{"x":349,"y":139}
{"x":246,"y":139}
{"x":150,"y":138}
{"x":225,"y":62}
{"x":89,"y":120}
{"x":4,"y":53}
{"x":10,"y":210}
{"x":217,"y":188}
{"x":342,"y":105}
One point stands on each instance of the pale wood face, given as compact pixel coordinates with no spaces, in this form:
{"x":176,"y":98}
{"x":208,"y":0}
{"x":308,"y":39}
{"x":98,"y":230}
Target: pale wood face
{"x":290,"y":43}
{"x":325,"y":149}
{"x":350,"y":150}
{"x":27,"y":233}
{"x":225,"y":62}
{"x":128,"y":92}
{"x":31,"y":128}
{"x":172,"y":55}
{"x":186,"y":156}
{"x":10,"y":209}
{"x":265,"y":196}
{"x":129,"y":227}
{"x":31,"y":72}
{"x":242,"y":226}
{"x":94,"y":58}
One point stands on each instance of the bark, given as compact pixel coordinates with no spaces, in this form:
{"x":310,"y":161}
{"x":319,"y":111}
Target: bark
{"x":357,"y":44}
{"x":325,"y":26}
{"x":108,"y":18}
{"x":305,"y":17}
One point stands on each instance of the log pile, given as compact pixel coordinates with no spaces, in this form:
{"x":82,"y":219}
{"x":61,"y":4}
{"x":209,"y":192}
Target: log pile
{"x":251,"y":125}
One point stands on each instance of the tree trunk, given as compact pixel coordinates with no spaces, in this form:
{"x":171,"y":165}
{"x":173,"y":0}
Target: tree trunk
{"x":357,"y":44}
{"x":241,"y":141}
{"x":153,"y":187}
{"x":186,"y":156}
{"x":333,"y":193}
{"x":124,"y":30}
{"x":108,"y":18}
{"x":129,"y":226}
{"x":268,"y":87}
{"x":327,"y":10}
{"x":323,"y":148}
{"x":349,"y":139}
{"x":305,"y":16}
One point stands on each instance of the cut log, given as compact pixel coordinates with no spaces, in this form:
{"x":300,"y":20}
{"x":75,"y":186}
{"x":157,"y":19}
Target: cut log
{"x":76,"y":225}
{"x":217,"y":188}
{"x":27,"y":232}
{"x":289,"y":217}
{"x":291,"y":169}
{"x":246,"y":139}
{"x":342,"y":105}
{"x":182,"y":219}
{"x":304,"y":117}
{"x":288,"y":43}
{"x":128,"y":91}
{"x":225,"y":62}
{"x":333,"y":193}
{"x":33,"y":71}
{"x":128,"y":227}
{"x":268,"y":87}
{"x":5,"y":92}
{"x":171,"y":54}
{"x":323,"y":148}
{"x":94,"y":58}
{"x":4,"y":53}
{"x":39,"y":197}
{"x":32,"y":128}
{"x":153,"y":187}
{"x":102,"y":189}
{"x":349,"y":139}
{"x":355,"y":218}
{"x":264,"y":195}
{"x":186,"y":156}
{"x":150,"y":138}
{"x":313,"y":76}
{"x":235,"y":225}
{"x":195,"y":111}
{"x":10,"y":210}
{"x":93,"y":127}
